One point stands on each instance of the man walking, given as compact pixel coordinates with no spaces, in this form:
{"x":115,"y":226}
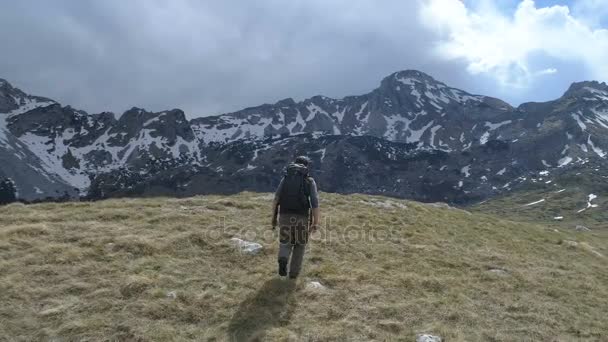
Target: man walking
{"x":297,"y":203}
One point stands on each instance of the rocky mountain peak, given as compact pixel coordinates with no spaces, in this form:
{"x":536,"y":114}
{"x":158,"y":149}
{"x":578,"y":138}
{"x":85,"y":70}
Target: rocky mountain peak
{"x":4,"y":84}
{"x":7,"y":88}
{"x":288,"y":102}
{"x":133,"y":113}
{"x":176,"y":114}
{"x":587,"y":89}
{"x":165,"y":127}
{"x":14,"y":102}
{"x":407,"y":77}
{"x":8,"y":96}
{"x":421,"y":89}
{"x":410,"y":73}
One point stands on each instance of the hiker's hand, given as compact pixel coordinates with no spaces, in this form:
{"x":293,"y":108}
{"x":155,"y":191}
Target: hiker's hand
{"x":313,"y":228}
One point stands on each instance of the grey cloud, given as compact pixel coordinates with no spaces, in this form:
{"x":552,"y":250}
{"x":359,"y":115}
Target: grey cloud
{"x":210,"y":57}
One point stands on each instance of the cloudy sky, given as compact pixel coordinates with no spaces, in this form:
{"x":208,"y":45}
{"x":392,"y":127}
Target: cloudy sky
{"x":209,"y":57}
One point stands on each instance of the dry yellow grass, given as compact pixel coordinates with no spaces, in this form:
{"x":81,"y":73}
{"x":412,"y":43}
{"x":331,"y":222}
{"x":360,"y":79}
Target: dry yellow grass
{"x":164,"y":269}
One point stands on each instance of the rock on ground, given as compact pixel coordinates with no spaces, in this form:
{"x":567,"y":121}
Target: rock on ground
{"x":387,"y":204}
{"x":428,"y":338}
{"x":247,"y":247}
{"x":443,"y":205}
{"x":315,"y":285}
{"x":498,"y":271}
{"x":268,"y":197}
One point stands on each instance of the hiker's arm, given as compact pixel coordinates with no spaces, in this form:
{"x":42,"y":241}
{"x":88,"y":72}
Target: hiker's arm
{"x":316,"y":217}
{"x":314,"y":205}
{"x":275,"y":205}
{"x":275,"y":213}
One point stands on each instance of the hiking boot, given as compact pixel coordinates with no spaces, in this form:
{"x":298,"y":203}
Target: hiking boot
{"x":283,"y":268}
{"x":293,"y":276}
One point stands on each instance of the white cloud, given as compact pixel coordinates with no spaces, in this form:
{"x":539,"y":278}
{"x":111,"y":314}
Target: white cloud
{"x":592,"y":11}
{"x":547,"y":71}
{"x":503,"y":46}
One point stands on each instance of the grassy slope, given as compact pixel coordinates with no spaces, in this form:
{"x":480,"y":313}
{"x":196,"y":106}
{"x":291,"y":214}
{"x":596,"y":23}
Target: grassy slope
{"x":103,"y":270}
{"x":566,"y":204}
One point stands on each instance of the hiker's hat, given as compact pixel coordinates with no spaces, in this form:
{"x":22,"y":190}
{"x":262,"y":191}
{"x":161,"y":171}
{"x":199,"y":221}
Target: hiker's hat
{"x":303,"y":160}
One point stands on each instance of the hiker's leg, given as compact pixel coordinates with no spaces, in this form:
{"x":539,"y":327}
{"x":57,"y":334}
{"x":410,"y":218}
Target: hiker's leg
{"x":285,"y":248}
{"x":296,"y":260}
{"x":301,"y":239}
{"x":285,"y":242}
{"x":284,"y":252}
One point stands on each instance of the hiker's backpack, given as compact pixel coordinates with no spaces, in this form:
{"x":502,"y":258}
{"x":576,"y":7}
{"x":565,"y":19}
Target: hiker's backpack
{"x":295,"y":190}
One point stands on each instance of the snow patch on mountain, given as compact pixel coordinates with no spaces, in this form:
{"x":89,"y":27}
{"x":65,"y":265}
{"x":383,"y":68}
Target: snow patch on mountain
{"x":564,"y":161}
{"x":313,"y":109}
{"x":432,"y":139}
{"x":417,"y":134}
{"x":598,"y":94}
{"x":339,"y":115}
{"x":595,"y":149}
{"x":50,"y":152}
{"x":534,"y":203}
{"x":392,"y":124}
{"x":590,"y":205}
{"x":494,"y":126}
{"x":466,"y":171}
{"x":3,"y":131}
{"x":299,"y":122}
{"x":484,"y":138}
{"x":409,"y":81}
{"x":462,"y":97}
{"x":28,"y":104}
{"x":322,"y":152}
{"x":579,"y":121}
{"x":601,"y":116}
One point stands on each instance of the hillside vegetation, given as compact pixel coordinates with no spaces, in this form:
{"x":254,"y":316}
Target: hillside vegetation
{"x":570,"y":202}
{"x":165,"y":269}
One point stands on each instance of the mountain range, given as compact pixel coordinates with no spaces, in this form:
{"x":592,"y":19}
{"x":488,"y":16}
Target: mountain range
{"x":412,"y":137}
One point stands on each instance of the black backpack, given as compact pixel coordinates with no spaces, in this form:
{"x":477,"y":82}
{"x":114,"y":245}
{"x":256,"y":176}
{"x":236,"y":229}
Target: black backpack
{"x":295,"y":191}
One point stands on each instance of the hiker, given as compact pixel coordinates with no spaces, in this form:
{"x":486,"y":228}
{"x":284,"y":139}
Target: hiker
{"x":297,"y":204}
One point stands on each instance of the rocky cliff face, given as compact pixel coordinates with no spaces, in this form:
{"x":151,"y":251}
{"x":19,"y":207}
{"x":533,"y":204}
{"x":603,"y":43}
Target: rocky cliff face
{"x":411,"y":137}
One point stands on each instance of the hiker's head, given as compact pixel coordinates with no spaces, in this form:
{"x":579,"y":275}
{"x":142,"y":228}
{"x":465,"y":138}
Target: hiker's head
{"x":303,"y":160}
